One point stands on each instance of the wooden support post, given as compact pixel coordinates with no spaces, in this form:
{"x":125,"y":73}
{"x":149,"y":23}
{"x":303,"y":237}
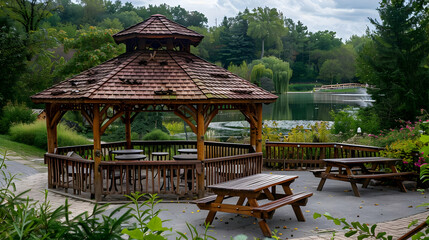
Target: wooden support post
{"x":253,"y":135}
{"x":200,"y":147}
{"x":97,"y":152}
{"x":128,"y":129}
{"x":259,"y":127}
{"x":52,"y":139}
{"x":51,"y":129}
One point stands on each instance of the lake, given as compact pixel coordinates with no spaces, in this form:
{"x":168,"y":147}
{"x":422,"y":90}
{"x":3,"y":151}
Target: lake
{"x":288,"y":111}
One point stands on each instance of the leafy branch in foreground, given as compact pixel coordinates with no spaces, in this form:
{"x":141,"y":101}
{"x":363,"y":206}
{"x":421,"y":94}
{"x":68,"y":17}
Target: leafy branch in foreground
{"x":363,"y":230}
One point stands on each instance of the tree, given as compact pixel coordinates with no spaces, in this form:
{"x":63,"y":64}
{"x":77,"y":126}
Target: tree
{"x":29,"y":13}
{"x":331,"y":71}
{"x":280,"y":72}
{"x":259,"y":71}
{"x":266,"y":24}
{"x":128,"y":18}
{"x":394,"y":61}
{"x":12,"y":59}
{"x":93,"y":46}
{"x":108,"y":23}
{"x":325,"y":40}
{"x":92,"y":11}
{"x":69,"y":12}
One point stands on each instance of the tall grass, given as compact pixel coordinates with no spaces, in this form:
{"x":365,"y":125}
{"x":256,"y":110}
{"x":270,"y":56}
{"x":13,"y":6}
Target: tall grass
{"x":35,"y":134}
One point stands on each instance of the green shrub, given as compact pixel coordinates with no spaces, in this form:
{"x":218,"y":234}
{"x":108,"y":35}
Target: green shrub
{"x":13,"y":114}
{"x":345,"y":123}
{"x":301,"y":87}
{"x":156,"y":134}
{"x":35,"y":134}
{"x":317,"y":133}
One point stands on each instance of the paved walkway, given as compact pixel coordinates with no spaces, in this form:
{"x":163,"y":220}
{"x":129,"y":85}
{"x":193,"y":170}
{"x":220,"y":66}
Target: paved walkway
{"x":376,"y":205}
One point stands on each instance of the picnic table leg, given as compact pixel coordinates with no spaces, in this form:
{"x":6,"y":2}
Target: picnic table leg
{"x":298,"y":212}
{"x":240,"y":201}
{"x":212,"y":213}
{"x":353,"y":183}
{"x":286,"y":188}
{"x":366,"y":183}
{"x":262,"y":222}
{"x":399,"y":182}
{"x":323,"y":178}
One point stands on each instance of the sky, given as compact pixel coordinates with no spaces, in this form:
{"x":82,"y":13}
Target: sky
{"x":345,"y":17}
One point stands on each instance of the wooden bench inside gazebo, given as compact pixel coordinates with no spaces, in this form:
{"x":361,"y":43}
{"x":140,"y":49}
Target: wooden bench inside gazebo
{"x":156,"y":74}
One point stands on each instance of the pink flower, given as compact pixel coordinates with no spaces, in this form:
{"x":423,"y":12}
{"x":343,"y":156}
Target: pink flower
{"x":404,"y":162}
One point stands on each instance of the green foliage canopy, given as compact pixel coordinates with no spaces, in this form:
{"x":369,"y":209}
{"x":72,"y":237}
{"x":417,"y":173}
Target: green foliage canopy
{"x":395,"y":61}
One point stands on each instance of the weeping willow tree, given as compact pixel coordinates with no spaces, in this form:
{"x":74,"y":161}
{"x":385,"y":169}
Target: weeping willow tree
{"x":258,"y":72}
{"x":281,"y":72}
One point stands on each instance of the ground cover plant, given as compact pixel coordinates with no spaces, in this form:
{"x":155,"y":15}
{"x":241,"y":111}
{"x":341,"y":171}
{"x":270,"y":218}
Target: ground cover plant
{"x":35,"y":134}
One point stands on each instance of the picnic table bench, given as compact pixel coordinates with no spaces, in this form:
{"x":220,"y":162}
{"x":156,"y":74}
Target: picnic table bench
{"x":355,"y":169}
{"x":252,"y":189}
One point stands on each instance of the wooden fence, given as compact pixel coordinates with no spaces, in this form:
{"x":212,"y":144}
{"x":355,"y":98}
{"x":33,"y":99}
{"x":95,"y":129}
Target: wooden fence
{"x":212,"y":149}
{"x":224,"y":161}
{"x":287,"y":155}
{"x":224,"y":169}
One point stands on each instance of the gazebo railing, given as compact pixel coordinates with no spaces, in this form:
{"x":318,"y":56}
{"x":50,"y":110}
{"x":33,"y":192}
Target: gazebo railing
{"x":224,"y":169}
{"x":212,"y":149}
{"x":70,"y":173}
{"x":310,"y":155}
{"x":165,"y":177}
{"x":224,"y":161}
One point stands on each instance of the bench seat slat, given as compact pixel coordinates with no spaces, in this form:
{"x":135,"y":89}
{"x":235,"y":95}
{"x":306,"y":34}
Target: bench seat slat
{"x":207,"y":200}
{"x":273,"y":205}
{"x":382,"y":175}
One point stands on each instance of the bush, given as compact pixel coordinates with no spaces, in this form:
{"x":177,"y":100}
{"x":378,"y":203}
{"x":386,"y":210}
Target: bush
{"x":300,"y":87}
{"x":35,"y":134}
{"x":156,"y":134}
{"x":345,"y":123}
{"x":13,"y":114}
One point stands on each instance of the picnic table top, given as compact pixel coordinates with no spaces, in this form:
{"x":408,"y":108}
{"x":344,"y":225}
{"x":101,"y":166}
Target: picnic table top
{"x":253,"y":183}
{"x":127,"y":151}
{"x":361,"y":160}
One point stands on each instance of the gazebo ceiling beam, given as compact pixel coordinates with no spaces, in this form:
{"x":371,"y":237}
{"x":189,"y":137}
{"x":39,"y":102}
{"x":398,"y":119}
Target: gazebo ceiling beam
{"x":187,"y":120}
{"x":250,"y":113}
{"x":111,"y":120}
{"x":103,"y":111}
{"x":123,"y":119}
{"x":191,"y":110}
{"x":87,"y":117}
{"x":57,"y":117}
{"x":209,"y":115}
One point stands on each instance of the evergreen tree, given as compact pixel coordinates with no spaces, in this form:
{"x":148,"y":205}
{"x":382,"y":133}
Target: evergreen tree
{"x":394,"y":62}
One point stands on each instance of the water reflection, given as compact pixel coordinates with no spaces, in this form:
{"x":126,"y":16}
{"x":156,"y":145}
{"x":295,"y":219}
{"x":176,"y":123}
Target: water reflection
{"x":289,"y":111}
{"x":303,"y":106}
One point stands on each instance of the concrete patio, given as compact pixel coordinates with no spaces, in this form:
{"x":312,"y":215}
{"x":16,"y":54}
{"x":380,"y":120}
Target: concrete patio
{"x":377,"y":204}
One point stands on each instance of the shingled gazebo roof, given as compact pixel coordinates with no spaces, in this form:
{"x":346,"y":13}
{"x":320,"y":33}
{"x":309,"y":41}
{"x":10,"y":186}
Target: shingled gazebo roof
{"x":155,"y":75}
{"x":159,"y":75}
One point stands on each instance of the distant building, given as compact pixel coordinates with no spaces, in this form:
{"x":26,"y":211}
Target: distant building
{"x":40,"y":113}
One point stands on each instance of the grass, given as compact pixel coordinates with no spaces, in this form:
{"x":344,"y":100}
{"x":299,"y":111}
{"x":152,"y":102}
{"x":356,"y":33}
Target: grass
{"x":24,"y":150}
{"x":35,"y":134}
{"x":345,"y":90}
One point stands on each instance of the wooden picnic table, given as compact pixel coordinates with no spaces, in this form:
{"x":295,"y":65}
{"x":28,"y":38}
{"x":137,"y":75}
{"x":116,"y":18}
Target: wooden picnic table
{"x":354,"y":169}
{"x":252,"y":189}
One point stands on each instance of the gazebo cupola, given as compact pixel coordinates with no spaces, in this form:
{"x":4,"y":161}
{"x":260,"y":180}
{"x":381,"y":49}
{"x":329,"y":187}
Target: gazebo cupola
{"x":157,"y":32}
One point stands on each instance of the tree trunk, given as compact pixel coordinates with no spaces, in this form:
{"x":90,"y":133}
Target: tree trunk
{"x":262,"y":52}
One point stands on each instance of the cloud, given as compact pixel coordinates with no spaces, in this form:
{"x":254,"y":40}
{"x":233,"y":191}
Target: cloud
{"x":345,"y":17}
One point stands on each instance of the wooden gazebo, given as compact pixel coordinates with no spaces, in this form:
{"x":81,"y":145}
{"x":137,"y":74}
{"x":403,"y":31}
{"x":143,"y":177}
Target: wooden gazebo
{"x":157,"y":73}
